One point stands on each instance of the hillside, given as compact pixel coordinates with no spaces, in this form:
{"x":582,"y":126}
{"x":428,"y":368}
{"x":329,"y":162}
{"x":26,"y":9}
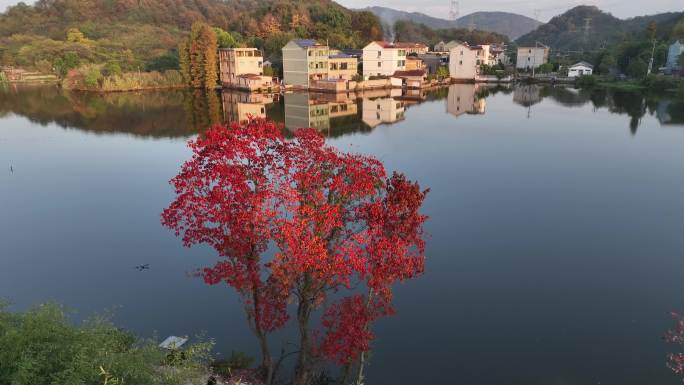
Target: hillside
{"x":409,"y":31}
{"x":588,"y":28}
{"x":131,"y":33}
{"x":505,"y":23}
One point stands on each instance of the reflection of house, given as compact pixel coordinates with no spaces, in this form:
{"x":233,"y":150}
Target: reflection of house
{"x":240,"y":106}
{"x":304,"y":60}
{"x":580,"y":69}
{"x":243,"y":68}
{"x":382,"y":110}
{"x":464,"y":99}
{"x":317,"y":111}
{"x":532,"y":57}
{"x":527,"y":95}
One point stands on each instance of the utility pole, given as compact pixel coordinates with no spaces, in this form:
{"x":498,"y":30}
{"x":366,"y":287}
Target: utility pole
{"x":650,"y":62}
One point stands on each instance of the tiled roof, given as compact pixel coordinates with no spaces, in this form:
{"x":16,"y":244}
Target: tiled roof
{"x":409,"y":73}
{"x":582,"y":63}
{"x":306,"y":43}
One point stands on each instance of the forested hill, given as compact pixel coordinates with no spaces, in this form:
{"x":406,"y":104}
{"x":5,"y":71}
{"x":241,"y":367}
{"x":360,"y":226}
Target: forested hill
{"x":134,"y":31}
{"x":588,"y":28}
{"x":405,"y":30}
{"x":505,"y":23}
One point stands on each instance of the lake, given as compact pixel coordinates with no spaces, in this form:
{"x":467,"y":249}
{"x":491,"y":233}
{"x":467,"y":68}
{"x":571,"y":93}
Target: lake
{"x":556,"y":232}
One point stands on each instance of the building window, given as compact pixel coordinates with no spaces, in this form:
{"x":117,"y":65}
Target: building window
{"x":310,"y":53}
{"x":343,"y":66}
{"x":379,"y":53}
{"x":379,"y":64}
{"x":460,"y":62}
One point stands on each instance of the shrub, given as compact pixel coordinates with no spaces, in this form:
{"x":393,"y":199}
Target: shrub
{"x":659,"y":83}
{"x":586,"y":81}
{"x":39,"y":347}
{"x":236,"y":361}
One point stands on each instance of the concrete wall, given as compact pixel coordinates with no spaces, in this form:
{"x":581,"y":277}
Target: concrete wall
{"x":463,"y":63}
{"x":382,"y":61}
{"x":532,"y":57}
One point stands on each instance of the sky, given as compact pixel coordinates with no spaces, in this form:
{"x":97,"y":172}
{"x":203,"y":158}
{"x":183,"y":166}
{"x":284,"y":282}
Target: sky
{"x":546,"y":9}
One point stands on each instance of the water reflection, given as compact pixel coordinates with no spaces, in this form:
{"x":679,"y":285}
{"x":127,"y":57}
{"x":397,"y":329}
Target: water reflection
{"x":180,"y":113}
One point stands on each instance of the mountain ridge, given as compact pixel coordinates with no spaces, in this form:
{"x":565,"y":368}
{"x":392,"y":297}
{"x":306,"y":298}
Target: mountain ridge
{"x":506,"y":23}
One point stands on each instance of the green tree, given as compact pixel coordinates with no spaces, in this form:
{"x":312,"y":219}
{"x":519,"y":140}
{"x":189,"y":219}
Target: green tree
{"x":637,"y":68}
{"x":68,"y":61}
{"x":169,"y":61}
{"x":442,"y":72}
{"x":198,"y":57}
{"x":225,"y":39}
{"x":608,"y":62}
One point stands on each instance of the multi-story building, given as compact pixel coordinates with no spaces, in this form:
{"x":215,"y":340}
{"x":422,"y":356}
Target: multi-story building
{"x":342,"y":66}
{"x":532,"y":57}
{"x":382,"y":58}
{"x":243,"y":68}
{"x":414,"y":48}
{"x":673,"y":54}
{"x":305,"y":60}
{"x":321,"y":111}
{"x":464,"y":61}
{"x":414,"y":63}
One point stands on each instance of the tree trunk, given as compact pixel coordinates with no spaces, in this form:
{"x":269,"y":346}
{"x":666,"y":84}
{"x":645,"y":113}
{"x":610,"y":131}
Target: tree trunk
{"x":303,"y":369}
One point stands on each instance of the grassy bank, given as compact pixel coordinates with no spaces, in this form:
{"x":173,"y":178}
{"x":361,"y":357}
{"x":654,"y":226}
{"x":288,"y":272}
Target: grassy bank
{"x":649,"y":84}
{"x":40,"y":347}
{"x":105,"y":79}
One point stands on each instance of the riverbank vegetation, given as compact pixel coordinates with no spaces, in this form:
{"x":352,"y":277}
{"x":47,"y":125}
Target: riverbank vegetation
{"x":41,"y":347}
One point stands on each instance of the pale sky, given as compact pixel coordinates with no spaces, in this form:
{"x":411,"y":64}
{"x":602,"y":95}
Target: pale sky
{"x":546,"y":8}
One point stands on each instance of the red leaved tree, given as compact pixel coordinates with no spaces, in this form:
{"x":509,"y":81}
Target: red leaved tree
{"x":675,"y":361}
{"x":335,"y":218}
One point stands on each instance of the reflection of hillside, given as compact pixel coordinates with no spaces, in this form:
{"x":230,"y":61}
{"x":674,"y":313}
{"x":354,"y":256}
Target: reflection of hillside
{"x":465,"y":99}
{"x":154,"y":114}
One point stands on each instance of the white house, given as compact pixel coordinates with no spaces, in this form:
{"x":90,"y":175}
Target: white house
{"x":445,"y":47}
{"x":465,"y":61}
{"x":532,"y":57}
{"x":676,"y":50}
{"x":580,"y":69}
{"x":382,"y":58}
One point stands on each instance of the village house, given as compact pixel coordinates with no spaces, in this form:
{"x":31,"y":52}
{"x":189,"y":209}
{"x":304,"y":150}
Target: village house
{"x":304,"y":61}
{"x":243,"y":68}
{"x":464,"y":61}
{"x":411,"y":78}
{"x":382,"y":58}
{"x":342,"y":66}
{"x":532,"y":57}
{"x":433,"y":60}
{"x":580,"y":69}
{"x":445,"y":47}
{"x":414,"y":48}
{"x":414,"y":63}
{"x":673,"y":54}
{"x":497,"y":54}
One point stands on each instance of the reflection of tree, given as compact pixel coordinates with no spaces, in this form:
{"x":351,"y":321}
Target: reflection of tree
{"x":567,"y":97}
{"x":675,"y":361}
{"x":202,"y":109}
{"x":629,"y":103}
{"x":335,"y":220}
{"x":150,"y":113}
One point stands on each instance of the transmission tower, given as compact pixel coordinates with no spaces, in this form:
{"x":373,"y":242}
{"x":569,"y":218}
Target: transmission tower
{"x":471,"y":25}
{"x":453,"y":10}
{"x":587,"y":27}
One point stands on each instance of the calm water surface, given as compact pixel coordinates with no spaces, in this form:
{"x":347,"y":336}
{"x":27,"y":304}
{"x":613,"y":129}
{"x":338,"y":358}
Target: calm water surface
{"x":556,"y":246}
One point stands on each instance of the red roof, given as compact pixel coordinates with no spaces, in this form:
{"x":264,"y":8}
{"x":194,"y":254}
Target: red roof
{"x":409,"y":73}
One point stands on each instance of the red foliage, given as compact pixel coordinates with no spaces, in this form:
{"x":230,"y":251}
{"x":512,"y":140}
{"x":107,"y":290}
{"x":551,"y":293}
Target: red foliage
{"x":676,"y":336}
{"x":336,"y":219}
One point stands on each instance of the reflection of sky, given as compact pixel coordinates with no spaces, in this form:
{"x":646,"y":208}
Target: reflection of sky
{"x":554,"y":251}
